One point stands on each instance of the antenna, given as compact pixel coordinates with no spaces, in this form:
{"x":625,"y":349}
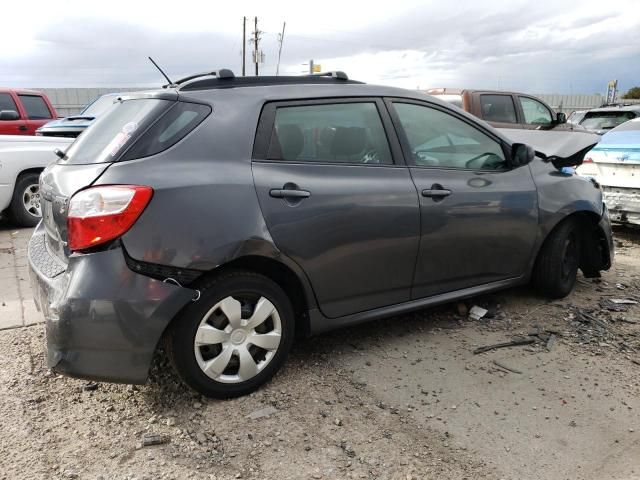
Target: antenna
{"x":162,"y":72}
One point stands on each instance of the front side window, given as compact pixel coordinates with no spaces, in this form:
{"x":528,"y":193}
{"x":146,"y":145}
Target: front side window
{"x":535,"y":113}
{"x":438,"y":139}
{"x":7,"y":103}
{"x":335,"y":133}
{"x":36,"y":107}
{"x":498,"y":108}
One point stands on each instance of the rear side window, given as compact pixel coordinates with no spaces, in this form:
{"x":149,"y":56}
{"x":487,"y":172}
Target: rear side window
{"x":117,"y":129}
{"x":7,"y":103}
{"x":172,"y":127}
{"x":498,"y":108}
{"x":334,"y":133}
{"x":35,"y":106}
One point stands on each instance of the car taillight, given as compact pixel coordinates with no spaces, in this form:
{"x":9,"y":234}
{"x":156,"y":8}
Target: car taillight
{"x":587,"y":160}
{"x":99,"y":214}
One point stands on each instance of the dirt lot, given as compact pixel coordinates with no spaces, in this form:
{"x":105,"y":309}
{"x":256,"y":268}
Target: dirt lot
{"x":401,"y":398}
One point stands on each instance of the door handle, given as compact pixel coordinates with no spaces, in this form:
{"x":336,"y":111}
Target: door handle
{"x":285,"y":193}
{"x":436,"y":193}
{"x":22,"y":128}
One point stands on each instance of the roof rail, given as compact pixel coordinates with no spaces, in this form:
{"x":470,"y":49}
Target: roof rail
{"x":223,"y":73}
{"x":334,"y":74}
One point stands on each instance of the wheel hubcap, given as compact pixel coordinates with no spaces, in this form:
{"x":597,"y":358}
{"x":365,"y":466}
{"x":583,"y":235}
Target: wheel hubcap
{"x":237,"y":338}
{"x":31,"y":200}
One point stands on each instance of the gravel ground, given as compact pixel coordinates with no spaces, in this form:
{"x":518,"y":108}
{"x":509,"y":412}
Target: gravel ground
{"x":400,"y":398}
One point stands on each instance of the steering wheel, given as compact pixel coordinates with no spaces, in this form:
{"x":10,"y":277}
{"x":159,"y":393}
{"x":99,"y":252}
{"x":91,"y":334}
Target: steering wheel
{"x":477,"y":157}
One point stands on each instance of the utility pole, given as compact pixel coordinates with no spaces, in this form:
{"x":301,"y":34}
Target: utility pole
{"x":311,"y":67}
{"x":280,"y":40}
{"x":256,"y":53}
{"x":244,"y":43}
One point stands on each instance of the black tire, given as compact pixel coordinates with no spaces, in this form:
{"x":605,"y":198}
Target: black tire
{"x":554,"y":274}
{"x":181,"y":336}
{"x":17,"y":211}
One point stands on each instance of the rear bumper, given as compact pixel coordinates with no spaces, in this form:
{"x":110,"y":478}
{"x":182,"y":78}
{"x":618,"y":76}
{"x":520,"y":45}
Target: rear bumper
{"x":623,"y":204}
{"x":103,"y":321}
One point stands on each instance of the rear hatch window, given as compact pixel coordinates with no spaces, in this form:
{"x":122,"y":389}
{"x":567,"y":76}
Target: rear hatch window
{"x":112,"y":133}
{"x":605,"y":120}
{"x":135,"y":129}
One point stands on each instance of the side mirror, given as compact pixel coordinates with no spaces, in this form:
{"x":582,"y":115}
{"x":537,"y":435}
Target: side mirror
{"x":561,"y":117}
{"x":521,"y":154}
{"x":9,"y":115}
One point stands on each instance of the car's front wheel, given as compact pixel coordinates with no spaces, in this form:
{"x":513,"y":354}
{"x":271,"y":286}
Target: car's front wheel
{"x":235,"y":337}
{"x":556,"y":268}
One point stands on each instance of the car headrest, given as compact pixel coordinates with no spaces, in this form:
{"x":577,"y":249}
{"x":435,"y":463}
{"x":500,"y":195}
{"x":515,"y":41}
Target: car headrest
{"x":349,"y":141}
{"x":291,"y":140}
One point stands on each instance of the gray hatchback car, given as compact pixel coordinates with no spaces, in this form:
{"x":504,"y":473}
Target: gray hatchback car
{"x":228,"y":216}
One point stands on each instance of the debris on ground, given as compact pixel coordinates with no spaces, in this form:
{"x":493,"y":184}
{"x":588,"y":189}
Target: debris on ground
{"x":506,"y":367}
{"x":476,"y":312}
{"x":513,"y":343}
{"x":150,"y":439}
{"x":262,"y":413}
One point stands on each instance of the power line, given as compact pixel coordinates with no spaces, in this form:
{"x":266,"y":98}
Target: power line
{"x":280,"y":41}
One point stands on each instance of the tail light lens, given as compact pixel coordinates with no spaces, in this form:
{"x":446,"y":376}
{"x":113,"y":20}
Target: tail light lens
{"x":99,"y":214}
{"x":587,"y":160}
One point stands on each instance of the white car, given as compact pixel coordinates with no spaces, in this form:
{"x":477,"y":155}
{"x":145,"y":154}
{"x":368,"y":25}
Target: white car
{"x":615,"y":164}
{"x":22,"y":158}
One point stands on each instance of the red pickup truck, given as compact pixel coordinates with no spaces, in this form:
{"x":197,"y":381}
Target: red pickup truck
{"x":22,"y":112}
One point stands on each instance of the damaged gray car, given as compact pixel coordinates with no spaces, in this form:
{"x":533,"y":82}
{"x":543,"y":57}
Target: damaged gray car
{"x":225,"y":217}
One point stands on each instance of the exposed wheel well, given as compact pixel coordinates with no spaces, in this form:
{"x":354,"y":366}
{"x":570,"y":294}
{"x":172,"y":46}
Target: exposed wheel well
{"x":37,"y":170}
{"x":280,"y":274}
{"x":592,"y":255}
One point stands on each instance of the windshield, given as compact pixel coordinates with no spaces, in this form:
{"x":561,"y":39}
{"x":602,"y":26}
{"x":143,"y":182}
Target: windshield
{"x":605,"y":120}
{"x":114,"y":131}
{"x":99,"y":105}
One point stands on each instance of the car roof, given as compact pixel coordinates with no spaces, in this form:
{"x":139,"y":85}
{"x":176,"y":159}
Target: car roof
{"x":617,"y":108}
{"x":20,"y":91}
{"x":460,"y":91}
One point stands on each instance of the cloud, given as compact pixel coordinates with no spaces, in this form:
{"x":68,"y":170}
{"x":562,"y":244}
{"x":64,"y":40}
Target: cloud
{"x":544,"y":46}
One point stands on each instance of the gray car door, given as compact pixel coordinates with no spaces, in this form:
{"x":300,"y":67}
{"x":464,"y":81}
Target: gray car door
{"x":337,"y":202}
{"x":479,"y":217}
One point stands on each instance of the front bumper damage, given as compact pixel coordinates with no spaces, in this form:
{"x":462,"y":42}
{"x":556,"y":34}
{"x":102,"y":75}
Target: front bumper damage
{"x":103,"y":321}
{"x":623,"y":204}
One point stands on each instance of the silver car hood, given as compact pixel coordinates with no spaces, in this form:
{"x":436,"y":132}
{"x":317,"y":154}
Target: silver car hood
{"x":563,"y":149}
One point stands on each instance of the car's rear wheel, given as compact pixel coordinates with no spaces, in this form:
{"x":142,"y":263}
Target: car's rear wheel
{"x":235,"y":337}
{"x":557,"y":265}
{"x":25,"y":209}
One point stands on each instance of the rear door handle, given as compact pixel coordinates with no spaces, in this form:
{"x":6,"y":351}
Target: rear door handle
{"x":22,"y":128}
{"x":439,"y":193}
{"x":283,"y":193}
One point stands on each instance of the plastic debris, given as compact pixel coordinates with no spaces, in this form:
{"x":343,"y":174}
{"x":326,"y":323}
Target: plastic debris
{"x":476,"y":312}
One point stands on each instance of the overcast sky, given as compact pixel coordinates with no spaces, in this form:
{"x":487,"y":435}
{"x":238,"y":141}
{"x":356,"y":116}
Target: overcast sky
{"x":537,"y":46}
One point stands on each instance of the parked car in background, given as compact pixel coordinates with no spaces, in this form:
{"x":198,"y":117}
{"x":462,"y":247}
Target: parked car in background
{"x":22,"y":112}
{"x":576,"y":116}
{"x":601,"y":120}
{"x":504,"y":109}
{"x":615,"y":164}
{"x":74,"y":125}
{"x":22,"y":158}
{"x":225,"y":215}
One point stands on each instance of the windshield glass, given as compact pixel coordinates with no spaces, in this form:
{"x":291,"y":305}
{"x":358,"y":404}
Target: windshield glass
{"x":114,"y":131}
{"x":605,"y":120}
{"x":99,"y":105}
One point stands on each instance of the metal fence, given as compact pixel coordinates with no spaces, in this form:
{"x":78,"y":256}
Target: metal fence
{"x":70,"y":101}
